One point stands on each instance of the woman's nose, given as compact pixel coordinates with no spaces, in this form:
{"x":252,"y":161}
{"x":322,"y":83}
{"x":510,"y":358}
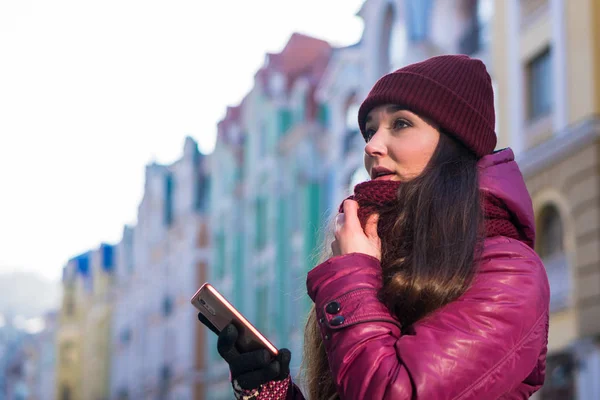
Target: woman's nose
{"x":376,"y":146}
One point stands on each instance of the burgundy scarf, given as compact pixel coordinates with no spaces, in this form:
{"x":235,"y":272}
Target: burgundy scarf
{"x":373,"y":195}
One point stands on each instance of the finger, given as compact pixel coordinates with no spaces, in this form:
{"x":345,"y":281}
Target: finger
{"x":207,"y":323}
{"x":371,"y":226}
{"x":251,"y":361}
{"x":226,"y":343}
{"x":253,"y":380}
{"x":351,"y":214}
{"x":284,"y":357}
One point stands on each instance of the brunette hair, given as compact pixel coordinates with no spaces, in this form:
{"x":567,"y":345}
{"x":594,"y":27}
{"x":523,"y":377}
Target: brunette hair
{"x":428,"y":256}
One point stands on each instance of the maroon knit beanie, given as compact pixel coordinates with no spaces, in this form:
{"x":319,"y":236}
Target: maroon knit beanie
{"x":454,"y":91}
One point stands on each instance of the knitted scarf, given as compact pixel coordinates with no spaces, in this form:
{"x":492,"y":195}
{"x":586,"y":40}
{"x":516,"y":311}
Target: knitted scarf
{"x":373,"y":195}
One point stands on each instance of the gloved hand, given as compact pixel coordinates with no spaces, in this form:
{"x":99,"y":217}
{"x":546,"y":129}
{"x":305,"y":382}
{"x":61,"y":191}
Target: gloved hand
{"x":250,"y":369}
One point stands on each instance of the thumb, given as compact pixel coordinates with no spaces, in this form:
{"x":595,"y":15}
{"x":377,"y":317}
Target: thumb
{"x":371,"y":226}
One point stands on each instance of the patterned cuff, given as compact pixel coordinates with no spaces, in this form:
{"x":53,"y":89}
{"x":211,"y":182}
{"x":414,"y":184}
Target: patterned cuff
{"x":274,"y":390}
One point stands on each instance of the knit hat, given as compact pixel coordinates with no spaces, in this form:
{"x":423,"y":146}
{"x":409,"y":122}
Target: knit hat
{"x":455,"y":91}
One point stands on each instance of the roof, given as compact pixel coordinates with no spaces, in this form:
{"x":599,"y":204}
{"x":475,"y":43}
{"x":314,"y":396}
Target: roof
{"x":302,"y":56}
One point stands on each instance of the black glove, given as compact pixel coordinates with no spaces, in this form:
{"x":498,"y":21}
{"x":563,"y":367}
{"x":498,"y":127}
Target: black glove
{"x":253,"y":368}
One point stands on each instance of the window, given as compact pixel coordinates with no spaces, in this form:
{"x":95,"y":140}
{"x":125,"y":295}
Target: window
{"x":167,"y":306}
{"x":107,"y":257}
{"x":261,"y":223}
{"x":125,"y":336}
{"x":164,"y":380}
{"x":238,"y":266}
{"x":168,"y":210}
{"x":262,"y":308}
{"x":284,"y":121}
{"x":123,"y":394}
{"x":83,"y":264}
{"x":539,"y":86}
{"x":313,"y":221}
{"x":220,"y":259}
{"x":550,"y":247}
{"x":202,"y":192}
{"x":551,"y":240}
{"x":323,"y":114}
{"x":352,"y":133}
{"x":65,"y":393}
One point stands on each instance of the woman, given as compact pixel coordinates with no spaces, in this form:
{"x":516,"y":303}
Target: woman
{"x":433,"y":289}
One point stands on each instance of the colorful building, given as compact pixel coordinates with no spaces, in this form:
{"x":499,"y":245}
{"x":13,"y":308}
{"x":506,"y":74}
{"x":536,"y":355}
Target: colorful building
{"x":270,"y":198}
{"x":96,"y":324}
{"x":76,"y":282}
{"x":547,"y":62}
{"x":157,"y":343}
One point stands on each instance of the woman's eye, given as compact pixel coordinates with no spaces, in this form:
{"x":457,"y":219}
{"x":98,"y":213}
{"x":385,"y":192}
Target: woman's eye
{"x":400,"y":123}
{"x":369,"y":134}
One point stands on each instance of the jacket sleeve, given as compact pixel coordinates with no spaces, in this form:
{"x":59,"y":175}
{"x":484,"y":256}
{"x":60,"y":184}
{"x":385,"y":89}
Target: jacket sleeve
{"x":483,"y":345}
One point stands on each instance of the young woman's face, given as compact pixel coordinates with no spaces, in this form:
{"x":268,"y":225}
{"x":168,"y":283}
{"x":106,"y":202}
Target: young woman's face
{"x":399,"y":143}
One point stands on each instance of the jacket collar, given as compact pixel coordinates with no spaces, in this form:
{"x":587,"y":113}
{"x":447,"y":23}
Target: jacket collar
{"x":500,"y":176}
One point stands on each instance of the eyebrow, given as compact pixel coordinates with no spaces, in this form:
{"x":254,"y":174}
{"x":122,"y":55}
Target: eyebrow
{"x":389,"y":110}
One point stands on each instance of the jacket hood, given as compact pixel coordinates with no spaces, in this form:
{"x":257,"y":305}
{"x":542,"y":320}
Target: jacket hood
{"x":500,"y":176}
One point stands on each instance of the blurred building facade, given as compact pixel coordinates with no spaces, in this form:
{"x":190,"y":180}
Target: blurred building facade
{"x":269,"y":198}
{"x":250,"y":217}
{"x":44,"y":373}
{"x":19,"y":370}
{"x":157,"y":346}
{"x":96,"y":320}
{"x":76,"y":282}
{"x":547,"y":58}
{"x":83,"y":356}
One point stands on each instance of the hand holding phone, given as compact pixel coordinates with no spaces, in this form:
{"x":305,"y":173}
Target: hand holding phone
{"x":250,"y":367}
{"x":220,"y":313}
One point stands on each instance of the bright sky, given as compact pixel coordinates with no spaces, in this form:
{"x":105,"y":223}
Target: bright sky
{"x":92,"y":91}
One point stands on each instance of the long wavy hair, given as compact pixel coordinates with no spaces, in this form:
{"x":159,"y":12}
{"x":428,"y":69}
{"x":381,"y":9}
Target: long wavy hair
{"x":428,"y":256}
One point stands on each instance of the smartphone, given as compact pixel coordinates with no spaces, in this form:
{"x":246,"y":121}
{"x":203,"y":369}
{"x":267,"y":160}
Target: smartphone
{"x":221,"y":313}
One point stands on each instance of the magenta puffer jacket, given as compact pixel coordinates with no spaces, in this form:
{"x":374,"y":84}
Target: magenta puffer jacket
{"x":490,"y":343}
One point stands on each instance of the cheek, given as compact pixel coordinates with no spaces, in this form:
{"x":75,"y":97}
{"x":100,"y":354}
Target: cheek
{"x":413,"y":153}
